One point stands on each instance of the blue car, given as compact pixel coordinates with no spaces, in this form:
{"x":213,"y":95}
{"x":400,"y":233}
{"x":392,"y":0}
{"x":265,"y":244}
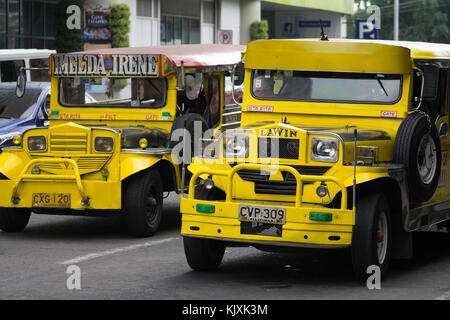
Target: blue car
{"x":17,"y":115}
{"x":20,"y":114}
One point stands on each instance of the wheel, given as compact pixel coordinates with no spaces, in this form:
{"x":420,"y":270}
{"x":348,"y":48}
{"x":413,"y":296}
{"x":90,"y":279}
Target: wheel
{"x":14,"y":220}
{"x":418,"y":148}
{"x":203,"y":254}
{"x":372,"y":234}
{"x":143,"y":204}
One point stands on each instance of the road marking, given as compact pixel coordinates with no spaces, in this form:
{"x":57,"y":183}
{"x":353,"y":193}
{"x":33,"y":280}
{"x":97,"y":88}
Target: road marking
{"x":100,"y":254}
{"x":445,"y":296}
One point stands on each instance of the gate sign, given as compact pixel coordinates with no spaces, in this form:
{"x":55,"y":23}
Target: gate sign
{"x":366,"y":29}
{"x":225,"y":36}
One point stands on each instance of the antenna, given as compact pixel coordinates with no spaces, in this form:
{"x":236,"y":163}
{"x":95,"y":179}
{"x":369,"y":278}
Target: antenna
{"x":323,"y":36}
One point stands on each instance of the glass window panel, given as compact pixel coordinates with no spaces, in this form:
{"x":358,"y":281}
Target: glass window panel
{"x":49,"y":17}
{"x":26,"y":24}
{"x":194,"y":31}
{"x":144,"y":8}
{"x":208,"y":12}
{"x":187,"y":8}
{"x":13,"y":16}
{"x":2,"y":16}
{"x":177,"y":30}
{"x":38,"y":18}
{"x":10,"y":69}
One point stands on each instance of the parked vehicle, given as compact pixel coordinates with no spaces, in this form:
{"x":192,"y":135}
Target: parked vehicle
{"x":114,"y":155}
{"x":342,"y":144}
{"x":11,"y":60}
{"x":20,"y":114}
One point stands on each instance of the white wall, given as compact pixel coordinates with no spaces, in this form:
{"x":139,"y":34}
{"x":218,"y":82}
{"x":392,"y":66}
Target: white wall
{"x":230,"y":17}
{"x":336,"y":29}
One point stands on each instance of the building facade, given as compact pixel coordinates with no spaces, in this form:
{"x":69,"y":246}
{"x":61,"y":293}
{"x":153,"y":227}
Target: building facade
{"x":29,"y":23}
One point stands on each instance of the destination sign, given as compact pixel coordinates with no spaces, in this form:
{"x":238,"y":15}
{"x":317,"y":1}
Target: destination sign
{"x":105,"y":65}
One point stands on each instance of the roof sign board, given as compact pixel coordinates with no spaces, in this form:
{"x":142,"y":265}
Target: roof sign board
{"x":105,"y":65}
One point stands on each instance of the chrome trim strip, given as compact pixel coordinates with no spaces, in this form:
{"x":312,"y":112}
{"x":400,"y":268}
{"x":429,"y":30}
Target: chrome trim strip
{"x":150,"y":151}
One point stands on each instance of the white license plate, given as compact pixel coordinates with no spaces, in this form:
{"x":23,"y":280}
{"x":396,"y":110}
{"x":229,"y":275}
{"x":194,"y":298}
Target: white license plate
{"x":250,"y":213}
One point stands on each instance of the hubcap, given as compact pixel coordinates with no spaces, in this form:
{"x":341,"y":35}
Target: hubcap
{"x":426,"y":159}
{"x":151,"y":206}
{"x":382,"y":237}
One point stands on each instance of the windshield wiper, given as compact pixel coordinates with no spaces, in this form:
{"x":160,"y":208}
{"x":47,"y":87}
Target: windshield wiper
{"x":379,"y":76}
{"x":3,"y":117}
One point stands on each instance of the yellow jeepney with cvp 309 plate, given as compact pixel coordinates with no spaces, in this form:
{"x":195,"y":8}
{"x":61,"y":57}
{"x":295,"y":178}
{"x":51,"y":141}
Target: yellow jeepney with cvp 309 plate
{"x":114,"y":116}
{"x":342,"y":143}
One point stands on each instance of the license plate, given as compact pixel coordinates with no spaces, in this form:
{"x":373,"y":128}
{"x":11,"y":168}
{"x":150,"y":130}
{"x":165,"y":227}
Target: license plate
{"x":51,"y":200}
{"x":251,"y":213}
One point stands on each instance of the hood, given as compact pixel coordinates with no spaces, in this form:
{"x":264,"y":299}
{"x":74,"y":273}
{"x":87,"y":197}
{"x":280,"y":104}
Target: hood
{"x":271,"y":129}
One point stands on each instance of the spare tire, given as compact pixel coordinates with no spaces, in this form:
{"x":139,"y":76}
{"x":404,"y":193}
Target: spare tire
{"x":418,"y":148}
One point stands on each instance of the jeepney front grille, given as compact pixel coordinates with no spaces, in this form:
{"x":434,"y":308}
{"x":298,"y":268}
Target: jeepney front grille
{"x":287,"y":148}
{"x":66,"y":142}
{"x":85,"y":164}
{"x":287,"y":187}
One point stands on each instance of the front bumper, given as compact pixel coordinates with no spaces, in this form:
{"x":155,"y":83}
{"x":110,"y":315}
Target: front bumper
{"x":299,"y":229}
{"x":84,"y":194}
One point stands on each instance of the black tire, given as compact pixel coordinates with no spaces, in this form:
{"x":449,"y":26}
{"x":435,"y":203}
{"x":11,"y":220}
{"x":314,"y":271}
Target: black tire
{"x":203,"y":254}
{"x":365,"y":235}
{"x":143,"y":204}
{"x":407,"y":152}
{"x":14,"y":220}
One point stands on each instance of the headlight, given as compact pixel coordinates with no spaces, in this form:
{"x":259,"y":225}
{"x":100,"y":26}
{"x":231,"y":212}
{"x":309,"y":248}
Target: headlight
{"x":104,"y":144}
{"x":8,"y":138}
{"x":236,"y":146}
{"x":325,"y":149}
{"x":37,"y":143}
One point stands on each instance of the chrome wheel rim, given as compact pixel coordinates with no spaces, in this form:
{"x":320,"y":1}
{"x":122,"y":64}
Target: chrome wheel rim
{"x":426,"y":159}
{"x":382,"y":237}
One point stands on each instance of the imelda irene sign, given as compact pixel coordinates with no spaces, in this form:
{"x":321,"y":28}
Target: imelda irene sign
{"x":105,"y":65}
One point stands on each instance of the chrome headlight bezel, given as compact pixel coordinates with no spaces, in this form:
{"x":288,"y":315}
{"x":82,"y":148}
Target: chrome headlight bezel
{"x":324,"y":149}
{"x":104,"y":144}
{"x":37,"y":143}
{"x":236,"y":146}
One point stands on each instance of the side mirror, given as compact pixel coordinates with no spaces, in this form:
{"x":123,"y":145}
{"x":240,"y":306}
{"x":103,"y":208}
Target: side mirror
{"x":190,"y":88}
{"x":21,"y":83}
{"x":238,"y":73}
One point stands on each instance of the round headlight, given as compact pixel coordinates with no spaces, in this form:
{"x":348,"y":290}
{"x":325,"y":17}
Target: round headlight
{"x":326,"y":149}
{"x":37,"y":143}
{"x":236,"y":146}
{"x":104,"y":144}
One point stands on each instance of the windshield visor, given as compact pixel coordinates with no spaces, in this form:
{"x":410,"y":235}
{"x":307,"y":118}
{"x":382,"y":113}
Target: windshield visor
{"x":113,"y":92}
{"x":326,"y":86}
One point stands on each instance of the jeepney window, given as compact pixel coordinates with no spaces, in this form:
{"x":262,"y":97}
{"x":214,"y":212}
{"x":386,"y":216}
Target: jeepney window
{"x":326,"y":86}
{"x":10,"y":69}
{"x":113,"y":92}
{"x":40,"y":74}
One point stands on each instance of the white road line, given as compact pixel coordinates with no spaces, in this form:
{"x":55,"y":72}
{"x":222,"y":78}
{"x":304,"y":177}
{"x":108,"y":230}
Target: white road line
{"x":445,"y":296}
{"x":100,"y":254}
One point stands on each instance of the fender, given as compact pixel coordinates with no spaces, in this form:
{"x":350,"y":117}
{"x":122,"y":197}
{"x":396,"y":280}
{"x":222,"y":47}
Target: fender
{"x":12,"y":162}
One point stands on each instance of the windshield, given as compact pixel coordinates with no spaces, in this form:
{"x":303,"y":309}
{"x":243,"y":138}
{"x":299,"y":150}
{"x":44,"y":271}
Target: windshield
{"x":12,"y":107}
{"x":113,"y":92}
{"x":326,"y":86}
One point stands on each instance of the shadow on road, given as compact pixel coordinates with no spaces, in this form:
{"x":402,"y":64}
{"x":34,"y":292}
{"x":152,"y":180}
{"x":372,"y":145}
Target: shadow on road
{"x":319,"y":266}
{"x":66,"y":227}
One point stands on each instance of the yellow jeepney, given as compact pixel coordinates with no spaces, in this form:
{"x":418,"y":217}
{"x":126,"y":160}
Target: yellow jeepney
{"x":109,"y":146}
{"x":342,"y":144}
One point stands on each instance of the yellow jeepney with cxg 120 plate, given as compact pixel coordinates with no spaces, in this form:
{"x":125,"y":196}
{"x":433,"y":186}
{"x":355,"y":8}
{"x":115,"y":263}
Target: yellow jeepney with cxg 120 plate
{"x":115,"y":117}
{"x":342,"y":144}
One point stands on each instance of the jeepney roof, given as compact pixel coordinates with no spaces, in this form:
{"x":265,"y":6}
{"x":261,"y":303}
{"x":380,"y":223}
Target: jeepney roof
{"x":192,"y":55}
{"x":350,"y":55}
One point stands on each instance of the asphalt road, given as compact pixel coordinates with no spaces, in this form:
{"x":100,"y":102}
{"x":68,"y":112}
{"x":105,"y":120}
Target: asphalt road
{"x":113,"y":265}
